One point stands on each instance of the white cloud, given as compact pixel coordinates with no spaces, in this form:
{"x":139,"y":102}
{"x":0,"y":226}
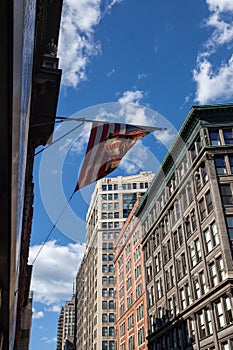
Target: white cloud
{"x":131,"y":96}
{"x":77,"y":44}
{"x":49,"y":340}
{"x":66,"y":145}
{"x":215,"y":84}
{"x":54,"y":308}
{"x":37,"y":314}
{"x":54,"y":271}
{"x":220,"y":5}
{"x":110,"y":73}
{"x":166,"y":137}
{"x":142,"y":76}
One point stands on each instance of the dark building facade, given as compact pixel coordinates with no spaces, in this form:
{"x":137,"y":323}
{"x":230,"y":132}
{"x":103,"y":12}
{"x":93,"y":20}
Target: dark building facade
{"x":30,"y":82}
{"x":187,"y":224}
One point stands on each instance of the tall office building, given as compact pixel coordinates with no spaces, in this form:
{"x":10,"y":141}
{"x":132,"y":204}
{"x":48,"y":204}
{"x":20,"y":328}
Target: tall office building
{"x":111,"y":203}
{"x":131,"y":324}
{"x":66,"y":326}
{"x":187,"y":224}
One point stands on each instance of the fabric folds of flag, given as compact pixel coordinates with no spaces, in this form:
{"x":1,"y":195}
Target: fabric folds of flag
{"x":108,"y":144}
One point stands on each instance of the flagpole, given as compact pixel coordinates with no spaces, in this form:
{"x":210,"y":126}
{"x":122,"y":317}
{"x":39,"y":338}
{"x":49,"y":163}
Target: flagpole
{"x":103,"y":122}
{"x":83,"y":119}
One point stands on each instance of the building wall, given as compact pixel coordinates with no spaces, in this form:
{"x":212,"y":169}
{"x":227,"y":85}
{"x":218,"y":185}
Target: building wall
{"x":131,"y":326}
{"x":66,"y":324}
{"x":111,"y":203}
{"x":187,"y":221}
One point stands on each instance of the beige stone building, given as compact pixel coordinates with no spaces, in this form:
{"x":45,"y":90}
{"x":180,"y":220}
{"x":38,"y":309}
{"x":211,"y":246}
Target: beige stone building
{"x":66,"y":326}
{"x":111,"y":203}
{"x":187,"y":223}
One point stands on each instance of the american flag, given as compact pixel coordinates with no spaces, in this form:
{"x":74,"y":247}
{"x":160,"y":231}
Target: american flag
{"x":108,"y":144}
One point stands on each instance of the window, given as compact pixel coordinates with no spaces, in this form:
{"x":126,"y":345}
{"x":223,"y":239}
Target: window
{"x":209,"y":203}
{"x":104,"y":292}
{"x":158,"y":262}
{"x":211,"y":237}
{"x":202,"y":209}
{"x":181,"y":266}
{"x":220,"y":165}
{"x":231,"y":163}
{"x":141,"y":337}
{"x":216,"y":271}
{"x":214,"y":137}
{"x":104,"y":318}
{"x":123,"y":346}
{"x":104,"y":257}
{"x":111,"y":304}
{"x":169,"y":278}
{"x":104,"y":305}
{"x":184,"y":296}
{"x":202,"y":282}
{"x":220,"y":315}
{"x":228,"y":136}
{"x":104,"y":236}
{"x":226,"y":194}
{"x":195,"y":252}
{"x":111,"y":292}
{"x":104,"y":345}
{"x":104,"y":187}
{"x":104,"y":331}
{"x":104,"y":246}
{"x":229,"y":220}
{"x":111,"y":268}
{"x":151,"y":296}
{"x":115,"y":187}
{"x":131,"y":343}
{"x":111,"y":280}
{"x":111,"y":344}
{"x":104,"y":268}
{"x":140,"y":312}
{"x":205,"y":325}
{"x":110,"y":245}
{"x":138,"y":290}
{"x":111,"y":317}
{"x":104,"y":216}
{"x":110,"y":257}
{"x":129,"y":300}
{"x":122,"y":329}
{"x":104,"y":280}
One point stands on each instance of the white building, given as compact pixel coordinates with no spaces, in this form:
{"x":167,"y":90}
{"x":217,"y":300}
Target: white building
{"x":66,"y":324}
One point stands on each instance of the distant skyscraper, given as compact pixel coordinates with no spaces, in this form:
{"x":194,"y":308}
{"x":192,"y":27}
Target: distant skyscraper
{"x":66,"y":325}
{"x":111,"y":203}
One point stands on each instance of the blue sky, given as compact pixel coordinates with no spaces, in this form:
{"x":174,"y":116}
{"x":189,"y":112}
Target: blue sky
{"x":148,"y":60}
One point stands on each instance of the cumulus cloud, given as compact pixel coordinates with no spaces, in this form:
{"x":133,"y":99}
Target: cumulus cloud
{"x":131,"y":96}
{"x":77,"y":44}
{"x":54,"y":271}
{"x":215,"y":84}
{"x":37,"y":314}
{"x":212,"y":85}
{"x":166,"y":137}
